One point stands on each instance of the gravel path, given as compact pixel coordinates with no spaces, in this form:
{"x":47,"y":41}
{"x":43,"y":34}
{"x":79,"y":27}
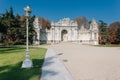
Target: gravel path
{"x":88,"y":62}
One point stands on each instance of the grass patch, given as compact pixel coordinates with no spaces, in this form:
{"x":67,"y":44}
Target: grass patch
{"x":11,"y":61}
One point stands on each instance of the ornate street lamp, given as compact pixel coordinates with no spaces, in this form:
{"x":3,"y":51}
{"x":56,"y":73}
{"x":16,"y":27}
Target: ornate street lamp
{"x":27,"y":63}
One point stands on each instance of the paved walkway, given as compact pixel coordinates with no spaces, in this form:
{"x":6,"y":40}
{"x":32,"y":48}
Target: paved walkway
{"x":83,"y":62}
{"x":53,"y":68}
{"x":89,"y":62}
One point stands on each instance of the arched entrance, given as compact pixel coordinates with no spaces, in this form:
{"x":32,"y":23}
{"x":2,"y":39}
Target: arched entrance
{"x":64,"y":36}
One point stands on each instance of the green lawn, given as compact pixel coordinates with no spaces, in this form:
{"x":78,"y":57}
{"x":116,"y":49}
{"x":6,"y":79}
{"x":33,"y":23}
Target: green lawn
{"x":11,"y":61}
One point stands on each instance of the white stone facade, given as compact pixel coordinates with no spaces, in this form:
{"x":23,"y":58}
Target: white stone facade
{"x":37,"y":27}
{"x":67,"y":30}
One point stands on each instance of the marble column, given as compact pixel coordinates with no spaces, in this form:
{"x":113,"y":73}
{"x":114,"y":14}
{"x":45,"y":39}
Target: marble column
{"x":53,"y":35}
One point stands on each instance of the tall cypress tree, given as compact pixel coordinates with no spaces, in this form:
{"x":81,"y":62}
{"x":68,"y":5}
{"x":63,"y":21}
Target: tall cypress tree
{"x":103,"y":31}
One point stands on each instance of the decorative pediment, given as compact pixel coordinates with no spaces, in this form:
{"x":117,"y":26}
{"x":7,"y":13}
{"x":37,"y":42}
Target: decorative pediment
{"x":65,"y":22}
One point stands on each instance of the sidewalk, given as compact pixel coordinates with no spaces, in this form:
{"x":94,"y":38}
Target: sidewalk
{"x":53,"y":68}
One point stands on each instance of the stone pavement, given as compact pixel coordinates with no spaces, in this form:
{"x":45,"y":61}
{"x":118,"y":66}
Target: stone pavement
{"x":83,"y":62}
{"x":89,"y":62}
{"x":53,"y":68}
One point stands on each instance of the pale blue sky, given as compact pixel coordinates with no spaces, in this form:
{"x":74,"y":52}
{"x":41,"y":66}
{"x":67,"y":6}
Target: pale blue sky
{"x":106,"y":10}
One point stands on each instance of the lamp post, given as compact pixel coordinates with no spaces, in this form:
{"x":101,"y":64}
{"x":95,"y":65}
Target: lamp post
{"x":27,"y":63}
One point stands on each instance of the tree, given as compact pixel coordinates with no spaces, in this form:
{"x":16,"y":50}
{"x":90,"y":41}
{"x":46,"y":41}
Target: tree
{"x":21,"y":29}
{"x":11,"y":15}
{"x":10,"y":28}
{"x":4,"y":27}
{"x":118,"y":35}
{"x":45,"y":23}
{"x":114,"y":32}
{"x":10,"y":18}
{"x":103,"y":32}
{"x":82,"y":21}
{"x":13,"y":28}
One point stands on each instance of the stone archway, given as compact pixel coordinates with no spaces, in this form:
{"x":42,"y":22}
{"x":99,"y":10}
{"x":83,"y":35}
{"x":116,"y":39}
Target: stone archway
{"x":64,"y":36}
